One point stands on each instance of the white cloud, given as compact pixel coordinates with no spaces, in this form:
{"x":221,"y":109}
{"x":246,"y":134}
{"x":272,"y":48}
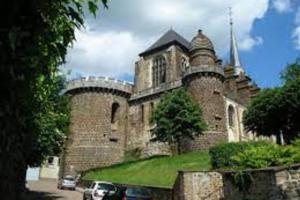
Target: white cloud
{"x":296,"y":32}
{"x":282,"y":5}
{"x":103,"y":54}
{"x":249,"y":42}
{"x":296,"y":36}
{"x":112,"y":42}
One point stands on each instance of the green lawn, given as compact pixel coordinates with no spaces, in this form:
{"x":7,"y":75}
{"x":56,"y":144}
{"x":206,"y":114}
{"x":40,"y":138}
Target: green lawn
{"x":159,"y":171}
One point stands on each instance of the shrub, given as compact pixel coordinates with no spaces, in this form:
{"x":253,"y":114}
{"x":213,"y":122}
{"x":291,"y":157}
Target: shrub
{"x":261,"y":156}
{"x":222,"y":154}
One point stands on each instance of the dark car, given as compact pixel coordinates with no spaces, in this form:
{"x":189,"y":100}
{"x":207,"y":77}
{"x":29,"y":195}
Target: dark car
{"x":129,"y":193}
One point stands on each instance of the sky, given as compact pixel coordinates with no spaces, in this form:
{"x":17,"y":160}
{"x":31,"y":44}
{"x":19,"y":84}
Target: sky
{"x":268,"y":34}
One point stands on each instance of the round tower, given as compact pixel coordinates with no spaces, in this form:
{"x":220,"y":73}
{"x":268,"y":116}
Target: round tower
{"x":204,"y":80}
{"x":97,"y":124}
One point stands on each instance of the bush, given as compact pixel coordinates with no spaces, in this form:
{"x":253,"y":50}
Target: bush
{"x":222,"y":154}
{"x":262,"y":156}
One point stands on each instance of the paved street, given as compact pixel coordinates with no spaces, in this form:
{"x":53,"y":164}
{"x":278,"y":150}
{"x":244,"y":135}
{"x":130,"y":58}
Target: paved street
{"x":46,"y":190}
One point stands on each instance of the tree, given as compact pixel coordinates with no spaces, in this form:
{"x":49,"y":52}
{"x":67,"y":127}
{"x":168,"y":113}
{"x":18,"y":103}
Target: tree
{"x":50,"y":119}
{"x":292,"y":72}
{"x":276,"y":111}
{"x":34,"y":38}
{"x":177,"y":117}
{"x":265,"y":115}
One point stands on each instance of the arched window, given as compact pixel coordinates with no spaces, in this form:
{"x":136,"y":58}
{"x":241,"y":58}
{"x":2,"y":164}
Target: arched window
{"x":231,"y":116}
{"x":184,"y":64}
{"x":114,"y":112}
{"x":159,"y":70}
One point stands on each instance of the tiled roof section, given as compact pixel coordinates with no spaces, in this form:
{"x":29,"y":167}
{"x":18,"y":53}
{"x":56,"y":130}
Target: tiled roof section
{"x":168,"y":38}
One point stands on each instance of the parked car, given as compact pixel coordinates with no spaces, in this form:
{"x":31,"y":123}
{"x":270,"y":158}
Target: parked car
{"x":98,"y":189}
{"x":129,"y":193}
{"x":68,"y":182}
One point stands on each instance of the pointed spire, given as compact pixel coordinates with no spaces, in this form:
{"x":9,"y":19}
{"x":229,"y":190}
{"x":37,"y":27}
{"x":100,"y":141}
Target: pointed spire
{"x":234,"y":52}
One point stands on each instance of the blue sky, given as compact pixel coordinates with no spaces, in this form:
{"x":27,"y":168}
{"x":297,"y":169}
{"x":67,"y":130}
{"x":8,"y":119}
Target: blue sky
{"x":268,"y":33}
{"x":265,"y":62}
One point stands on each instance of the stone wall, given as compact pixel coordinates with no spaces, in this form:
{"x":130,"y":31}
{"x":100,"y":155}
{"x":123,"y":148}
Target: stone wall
{"x":204,"y":142}
{"x":94,"y":140}
{"x":280,"y":183}
{"x":206,"y":88}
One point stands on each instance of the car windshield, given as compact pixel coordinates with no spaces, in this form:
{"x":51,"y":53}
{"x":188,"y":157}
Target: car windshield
{"x":69,"y":178}
{"x":140,"y":192}
{"x":106,"y":187}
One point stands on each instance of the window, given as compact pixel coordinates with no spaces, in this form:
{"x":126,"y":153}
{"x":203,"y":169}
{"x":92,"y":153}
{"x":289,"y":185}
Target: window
{"x":184,"y":64}
{"x":50,"y":160}
{"x":114,"y":112}
{"x":142,"y":113}
{"x":159,"y":70}
{"x":151,"y":110}
{"x":231,"y":116}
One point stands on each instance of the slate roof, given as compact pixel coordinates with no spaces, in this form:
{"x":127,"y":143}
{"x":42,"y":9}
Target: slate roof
{"x":170,"y":37}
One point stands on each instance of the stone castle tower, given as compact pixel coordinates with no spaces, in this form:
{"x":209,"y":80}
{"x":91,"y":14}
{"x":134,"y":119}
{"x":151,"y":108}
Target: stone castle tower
{"x":110,"y":117}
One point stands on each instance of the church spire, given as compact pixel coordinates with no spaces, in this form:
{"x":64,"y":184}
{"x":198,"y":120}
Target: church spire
{"x":234,"y":52}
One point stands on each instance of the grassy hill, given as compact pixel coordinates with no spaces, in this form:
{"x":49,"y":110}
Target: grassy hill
{"x":157,"y":171}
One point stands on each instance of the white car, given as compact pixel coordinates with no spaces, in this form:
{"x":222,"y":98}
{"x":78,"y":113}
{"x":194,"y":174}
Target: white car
{"x":68,"y":182}
{"x":98,"y":189}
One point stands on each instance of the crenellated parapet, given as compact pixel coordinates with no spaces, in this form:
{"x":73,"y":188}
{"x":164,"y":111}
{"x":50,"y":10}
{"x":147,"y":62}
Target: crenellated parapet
{"x":99,"y":83}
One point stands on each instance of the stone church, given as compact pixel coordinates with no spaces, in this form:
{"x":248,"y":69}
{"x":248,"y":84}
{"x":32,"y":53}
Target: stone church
{"x":110,"y":117}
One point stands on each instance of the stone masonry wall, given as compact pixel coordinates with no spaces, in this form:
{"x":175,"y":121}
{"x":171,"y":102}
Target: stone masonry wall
{"x":207,"y":91}
{"x":94,"y":141}
{"x":204,"y":142}
{"x":280,"y":183}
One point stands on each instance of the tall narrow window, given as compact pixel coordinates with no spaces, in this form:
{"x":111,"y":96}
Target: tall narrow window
{"x":159,"y":70}
{"x":114,"y":112}
{"x":231,"y":116}
{"x":151,"y":110}
{"x":142,"y":113}
{"x":184,"y":65}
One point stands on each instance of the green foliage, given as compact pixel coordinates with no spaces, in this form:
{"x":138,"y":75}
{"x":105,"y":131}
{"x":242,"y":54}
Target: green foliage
{"x":34,"y":39}
{"x":263,"y":156}
{"x":263,"y":115}
{"x":222,"y":154}
{"x":292,"y":72}
{"x":50,"y":118}
{"x":243,"y":180}
{"x":176,"y":117}
{"x":132,"y":154}
{"x":275,"y":111}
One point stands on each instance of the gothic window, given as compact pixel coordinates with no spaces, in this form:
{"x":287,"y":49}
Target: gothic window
{"x":231,"y":116}
{"x":184,"y":64}
{"x":114,"y":112}
{"x":159,"y":70}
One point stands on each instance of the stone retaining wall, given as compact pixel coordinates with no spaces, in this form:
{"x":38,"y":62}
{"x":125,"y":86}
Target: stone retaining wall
{"x":280,"y":183}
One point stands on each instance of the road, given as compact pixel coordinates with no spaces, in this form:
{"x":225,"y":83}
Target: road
{"x":46,"y":190}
